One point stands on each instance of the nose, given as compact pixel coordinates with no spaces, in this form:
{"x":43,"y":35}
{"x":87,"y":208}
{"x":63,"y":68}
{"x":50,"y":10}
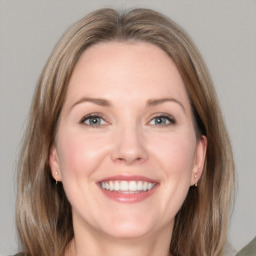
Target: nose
{"x":129,"y":146}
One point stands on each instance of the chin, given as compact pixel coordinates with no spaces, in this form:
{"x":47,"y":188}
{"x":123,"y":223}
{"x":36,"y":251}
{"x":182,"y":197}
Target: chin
{"x":128,"y":233}
{"x":129,"y":229}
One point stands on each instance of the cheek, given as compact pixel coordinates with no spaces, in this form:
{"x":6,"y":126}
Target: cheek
{"x":79,"y":154}
{"x":175,"y":154}
{"x":176,"y":157}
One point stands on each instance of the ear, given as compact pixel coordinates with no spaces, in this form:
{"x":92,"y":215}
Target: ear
{"x":54,"y":163}
{"x":199,"y":160}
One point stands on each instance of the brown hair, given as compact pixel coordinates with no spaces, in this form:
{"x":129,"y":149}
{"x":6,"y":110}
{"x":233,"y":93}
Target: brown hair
{"x":43,"y":214}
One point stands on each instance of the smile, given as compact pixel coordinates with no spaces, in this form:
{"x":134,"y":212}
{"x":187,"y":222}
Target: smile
{"x":127,"y":186}
{"x":128,"y":189}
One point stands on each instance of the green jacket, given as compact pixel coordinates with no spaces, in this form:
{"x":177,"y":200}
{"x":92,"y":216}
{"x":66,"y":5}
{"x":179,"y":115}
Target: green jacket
{"x":249,"y":249}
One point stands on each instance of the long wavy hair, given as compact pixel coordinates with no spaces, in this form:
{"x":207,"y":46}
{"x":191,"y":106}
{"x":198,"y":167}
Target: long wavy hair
{"x":43,"y":213}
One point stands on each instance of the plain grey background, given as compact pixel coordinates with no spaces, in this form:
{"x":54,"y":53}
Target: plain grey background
{"x":225,"y":33}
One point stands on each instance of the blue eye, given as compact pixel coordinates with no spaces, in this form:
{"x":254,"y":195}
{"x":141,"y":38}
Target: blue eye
{"x":162,"y":120}
{"x":93,"y":120}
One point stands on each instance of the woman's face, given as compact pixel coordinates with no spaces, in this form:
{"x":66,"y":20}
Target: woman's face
{"x":126,"y":150}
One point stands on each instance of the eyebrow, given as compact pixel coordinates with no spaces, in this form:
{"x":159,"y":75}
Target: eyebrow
{"x":106,"y":103}
{"x":154,"y":102}
{"x":97,"y":101}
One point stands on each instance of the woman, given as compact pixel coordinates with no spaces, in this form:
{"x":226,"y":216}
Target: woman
{"x":126,"y":152}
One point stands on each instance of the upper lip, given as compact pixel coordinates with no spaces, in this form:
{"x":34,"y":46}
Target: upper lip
{"x":128,"y":178}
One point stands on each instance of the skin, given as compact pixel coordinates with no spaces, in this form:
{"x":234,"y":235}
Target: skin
{"x":127,"y":140}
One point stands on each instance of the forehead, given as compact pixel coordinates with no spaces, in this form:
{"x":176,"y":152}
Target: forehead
{"x":130,"y":69}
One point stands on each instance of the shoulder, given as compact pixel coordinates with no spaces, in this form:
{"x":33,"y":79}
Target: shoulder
{"x":249,"y":249}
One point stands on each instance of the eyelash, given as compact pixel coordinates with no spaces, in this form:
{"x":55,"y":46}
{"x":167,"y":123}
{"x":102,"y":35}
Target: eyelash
{"x":171,"y":120}
{"x":90,"y":117}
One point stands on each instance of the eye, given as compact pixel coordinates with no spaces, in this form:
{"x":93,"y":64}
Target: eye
{"x":93,"y":120}
{"x":162,"y":120}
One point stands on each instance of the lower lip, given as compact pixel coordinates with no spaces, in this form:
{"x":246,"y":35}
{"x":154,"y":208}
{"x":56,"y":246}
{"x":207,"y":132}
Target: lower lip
{"x":129,"y":198}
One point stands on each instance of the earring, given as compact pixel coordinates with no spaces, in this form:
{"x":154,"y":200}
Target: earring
{"x":196,"y":181}
{"x":56,"y":173}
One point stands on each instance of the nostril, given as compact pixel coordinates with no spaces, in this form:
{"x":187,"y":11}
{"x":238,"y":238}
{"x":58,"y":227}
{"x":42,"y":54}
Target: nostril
{"x":129,"y":159}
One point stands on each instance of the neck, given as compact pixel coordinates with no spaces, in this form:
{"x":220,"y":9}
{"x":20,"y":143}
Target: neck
{"x":90,"y":243}
{"x":124,"y":248}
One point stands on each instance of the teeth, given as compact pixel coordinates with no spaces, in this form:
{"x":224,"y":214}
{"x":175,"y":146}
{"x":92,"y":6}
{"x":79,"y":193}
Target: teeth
{"x":111,"y":186}
{"x":124,"y":186}
{"x":140,"y":185}
{"x":116,"y":187}
{"x":145,"y":186}
{"x":132,"y":186}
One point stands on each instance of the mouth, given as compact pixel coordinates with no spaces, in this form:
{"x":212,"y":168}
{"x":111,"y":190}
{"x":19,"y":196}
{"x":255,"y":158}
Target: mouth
{"x":128,"y":189}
